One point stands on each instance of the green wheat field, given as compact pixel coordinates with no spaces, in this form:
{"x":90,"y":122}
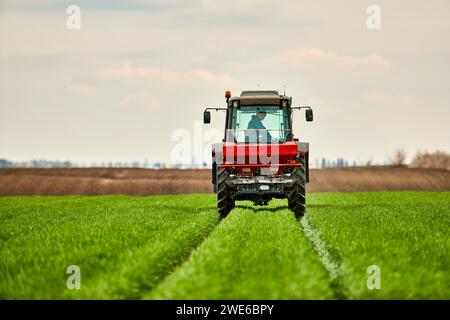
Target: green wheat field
{"x":176,"y":247}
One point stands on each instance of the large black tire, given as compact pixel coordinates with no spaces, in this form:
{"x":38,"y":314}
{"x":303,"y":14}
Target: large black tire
{"x":297,"y":195}
{"x":225,"y":197}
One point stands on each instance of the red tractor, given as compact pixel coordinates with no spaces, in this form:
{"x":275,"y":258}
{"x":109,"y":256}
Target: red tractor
{"x":259,"y":159}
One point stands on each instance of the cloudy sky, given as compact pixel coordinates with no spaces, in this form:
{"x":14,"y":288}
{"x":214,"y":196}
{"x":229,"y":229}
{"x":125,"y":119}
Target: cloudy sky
{"x":139,"y":71}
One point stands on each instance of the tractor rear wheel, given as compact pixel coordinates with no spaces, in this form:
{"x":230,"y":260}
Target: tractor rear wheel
{"x":225,"y":197}
{"x":297,"y":195}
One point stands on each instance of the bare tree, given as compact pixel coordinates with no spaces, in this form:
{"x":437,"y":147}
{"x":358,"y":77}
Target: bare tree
{"x":398,"y":158}
{"x":435,"y":160}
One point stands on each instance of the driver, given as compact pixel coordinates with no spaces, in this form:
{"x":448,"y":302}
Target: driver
{"x":256,"y":121}
{"x":256,"y":124}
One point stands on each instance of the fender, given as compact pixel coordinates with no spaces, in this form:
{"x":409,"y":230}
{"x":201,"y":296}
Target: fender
{"x":304,"y":147}
{"x":216,"y":153}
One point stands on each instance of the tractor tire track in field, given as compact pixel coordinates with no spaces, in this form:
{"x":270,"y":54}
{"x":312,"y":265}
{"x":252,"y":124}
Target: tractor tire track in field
{"x":251,"y":254}
{"x":186,"y":257}
{"x":329,"y":262}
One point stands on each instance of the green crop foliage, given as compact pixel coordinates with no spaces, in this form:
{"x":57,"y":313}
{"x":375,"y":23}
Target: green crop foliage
{"x":405,"y":234}
{"x":123,"y":245}
{"x":175,"y":247}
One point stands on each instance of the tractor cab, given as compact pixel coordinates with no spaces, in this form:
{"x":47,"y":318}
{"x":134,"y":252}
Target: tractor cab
{"x":255,"y":121}
{"x":258,"y":117}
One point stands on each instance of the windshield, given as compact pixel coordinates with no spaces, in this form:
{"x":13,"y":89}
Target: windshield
{"x":258,"y":124}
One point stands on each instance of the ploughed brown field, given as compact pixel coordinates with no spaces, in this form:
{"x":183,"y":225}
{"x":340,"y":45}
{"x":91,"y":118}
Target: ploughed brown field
{"x":96,"y":181}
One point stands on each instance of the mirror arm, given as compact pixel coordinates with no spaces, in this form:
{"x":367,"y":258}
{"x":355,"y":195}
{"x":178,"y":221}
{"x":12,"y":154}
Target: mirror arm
{"x":303,"y":107}
{"x":216,"y":109}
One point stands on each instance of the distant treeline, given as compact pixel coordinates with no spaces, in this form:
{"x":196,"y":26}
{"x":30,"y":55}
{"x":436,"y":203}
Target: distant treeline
{"x":435,"y":160}
{"x":323,"y":163}
{"x":42,"y":163}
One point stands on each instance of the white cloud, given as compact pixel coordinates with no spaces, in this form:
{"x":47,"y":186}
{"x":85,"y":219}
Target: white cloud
{"x":305,"y":57}
{"x":140,"y":100}
{"x":380,"y":98}
{"x":81,"y":89}
{"x":128,"y":72}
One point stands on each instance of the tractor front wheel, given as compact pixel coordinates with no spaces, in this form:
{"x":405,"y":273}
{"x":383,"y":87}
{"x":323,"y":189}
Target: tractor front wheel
{"x":225,"y":198}
{"x":297,"y":195}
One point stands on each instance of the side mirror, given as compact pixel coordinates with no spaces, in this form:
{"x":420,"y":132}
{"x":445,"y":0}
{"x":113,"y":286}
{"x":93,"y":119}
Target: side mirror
{"x":206,"y":117}
{"x":309,"y":115}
